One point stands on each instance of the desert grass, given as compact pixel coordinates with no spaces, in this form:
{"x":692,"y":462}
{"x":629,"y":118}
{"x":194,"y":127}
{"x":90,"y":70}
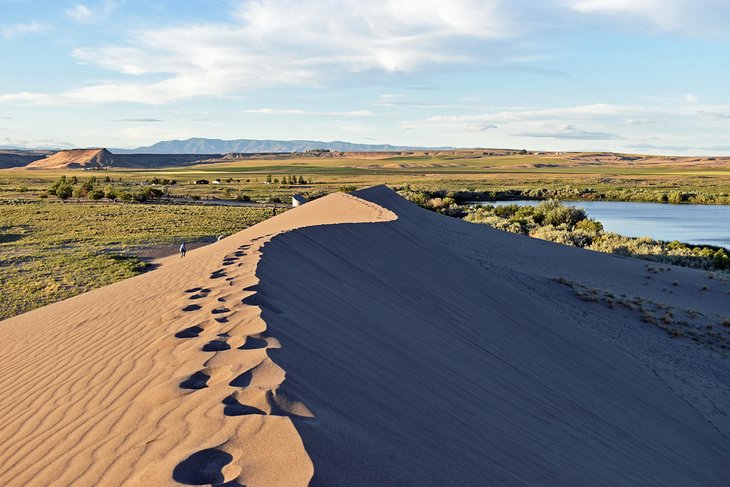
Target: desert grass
{"x":52,"y":251}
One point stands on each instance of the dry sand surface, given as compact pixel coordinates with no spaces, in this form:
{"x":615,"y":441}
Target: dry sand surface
{"x":360,"y":340}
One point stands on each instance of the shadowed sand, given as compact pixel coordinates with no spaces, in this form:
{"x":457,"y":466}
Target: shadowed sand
{"x":409,"y":349}
{"x":162,"y":379}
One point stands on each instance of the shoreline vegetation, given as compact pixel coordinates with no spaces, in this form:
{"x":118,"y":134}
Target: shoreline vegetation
{"x":75,"y":233}
{"x":571,"y":193}
{"x":274,"y":190}
{"x":556,"y":222}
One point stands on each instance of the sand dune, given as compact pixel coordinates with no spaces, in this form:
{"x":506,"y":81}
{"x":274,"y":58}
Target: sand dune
{"x":122,"y":384}
{"x":360,"y":340}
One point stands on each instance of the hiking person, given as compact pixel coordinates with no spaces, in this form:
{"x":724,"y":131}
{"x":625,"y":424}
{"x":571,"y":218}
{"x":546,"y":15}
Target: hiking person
{"x":183,"y":250}
{"x":274,"y":210}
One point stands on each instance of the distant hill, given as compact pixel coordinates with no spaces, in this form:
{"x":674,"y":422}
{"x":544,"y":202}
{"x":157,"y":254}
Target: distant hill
{"x":75,"y":159}
{"x":218,"y":146}
{"x":19,"y":158}
{"x":102,"y":158}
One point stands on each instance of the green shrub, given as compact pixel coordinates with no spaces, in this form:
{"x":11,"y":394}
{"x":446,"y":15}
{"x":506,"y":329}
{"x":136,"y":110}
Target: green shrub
{"x":109,"y":192}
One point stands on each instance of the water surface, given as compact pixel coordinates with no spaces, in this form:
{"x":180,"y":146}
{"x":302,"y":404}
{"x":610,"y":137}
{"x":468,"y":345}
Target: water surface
{"x":694,"y":224}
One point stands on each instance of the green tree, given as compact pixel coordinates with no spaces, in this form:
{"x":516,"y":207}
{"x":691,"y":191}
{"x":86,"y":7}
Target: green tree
{"x":109,"y":192}
{"x":64,"y":191}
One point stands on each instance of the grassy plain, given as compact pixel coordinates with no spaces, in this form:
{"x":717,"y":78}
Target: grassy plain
{"x":451,"y":171}
{"x":51,"y":251}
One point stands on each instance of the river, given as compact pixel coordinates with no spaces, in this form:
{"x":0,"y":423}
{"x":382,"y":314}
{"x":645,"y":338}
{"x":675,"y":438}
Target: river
{"x":693,"y":224}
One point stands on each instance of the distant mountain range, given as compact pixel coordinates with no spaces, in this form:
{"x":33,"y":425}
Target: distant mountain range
{"x":218,"y":146}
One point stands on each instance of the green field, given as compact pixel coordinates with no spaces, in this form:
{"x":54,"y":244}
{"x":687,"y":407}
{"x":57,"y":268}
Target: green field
{"x":51,"y":251}
{"x":449,"y":171}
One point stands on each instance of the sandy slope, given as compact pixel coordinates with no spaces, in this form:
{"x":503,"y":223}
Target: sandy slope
{"x":436,"y":352}
{"x":417,"y":349}
{"x":108,"y":388}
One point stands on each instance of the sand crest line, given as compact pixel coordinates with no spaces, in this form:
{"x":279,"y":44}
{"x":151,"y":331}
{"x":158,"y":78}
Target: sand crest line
{"x":233,"y":344}
{"x":254,"y":379}
{"x":142,"y":383}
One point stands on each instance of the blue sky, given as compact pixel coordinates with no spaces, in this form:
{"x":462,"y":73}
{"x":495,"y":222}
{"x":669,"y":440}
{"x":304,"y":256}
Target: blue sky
{"x":622,"y":75}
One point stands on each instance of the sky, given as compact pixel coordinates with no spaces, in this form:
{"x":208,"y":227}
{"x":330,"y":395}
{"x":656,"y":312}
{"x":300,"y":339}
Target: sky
{"x":648,"y":76}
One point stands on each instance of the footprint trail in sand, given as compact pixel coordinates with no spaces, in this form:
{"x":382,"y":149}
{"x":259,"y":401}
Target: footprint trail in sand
{"x":236,"y":359}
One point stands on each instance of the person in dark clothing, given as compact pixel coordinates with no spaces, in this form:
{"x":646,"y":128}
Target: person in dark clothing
{"x":183,"y":250}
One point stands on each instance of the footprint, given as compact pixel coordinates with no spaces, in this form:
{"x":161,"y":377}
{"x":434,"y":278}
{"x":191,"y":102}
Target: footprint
{"x":235,"y":408}
{"x":218,"y":274}
{"x":243,"y":380}
{"x":253,"y":344}
{"x":192,"y":307}
{"x":199,"y":292}
{"x":202,"y":468}
{"x":198,"y":380}
{"x":216,"y":346}
{"x":191,"y":332}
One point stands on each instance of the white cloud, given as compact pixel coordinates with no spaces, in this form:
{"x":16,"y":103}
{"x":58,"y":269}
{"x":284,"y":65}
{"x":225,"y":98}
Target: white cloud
{"x":10,"y":31}
{"x":291,"y":42}
{"x":716,"y":114}
{"x":700,"y":18}
{"x":479,"y":127}
{"x":80,"y":13}
{"x":279,"y":111}
{"x":571,"y":132}
{"x":584,"y":112}
{"x":84,"y":14}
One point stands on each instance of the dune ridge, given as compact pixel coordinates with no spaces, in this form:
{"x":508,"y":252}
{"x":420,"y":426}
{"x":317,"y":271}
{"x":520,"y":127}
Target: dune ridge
{"x":161,"y":379}
{"x":438,"y":352}
{"x":409,"y":348}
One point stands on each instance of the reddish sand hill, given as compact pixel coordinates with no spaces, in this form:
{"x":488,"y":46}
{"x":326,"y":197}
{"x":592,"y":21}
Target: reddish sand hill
{"x":75,"y":159}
